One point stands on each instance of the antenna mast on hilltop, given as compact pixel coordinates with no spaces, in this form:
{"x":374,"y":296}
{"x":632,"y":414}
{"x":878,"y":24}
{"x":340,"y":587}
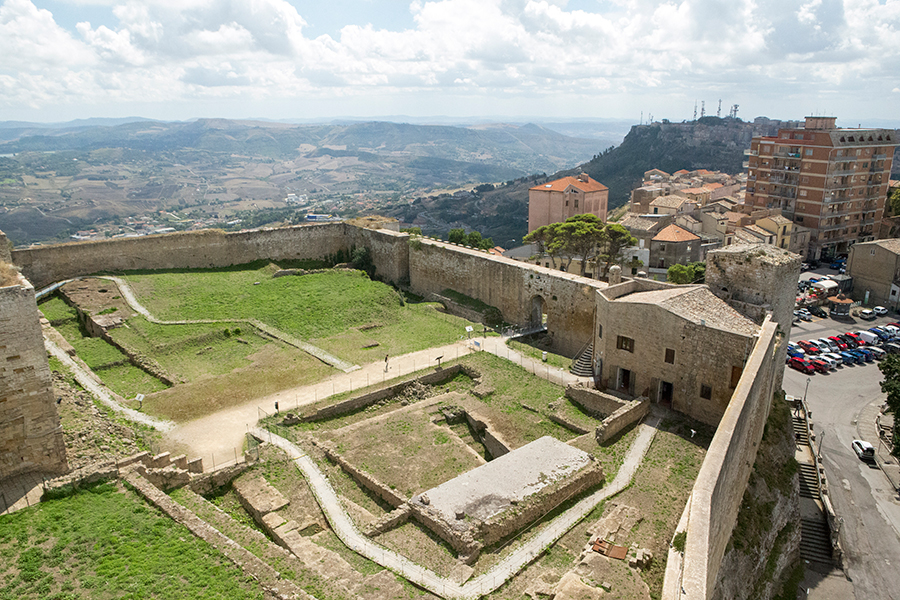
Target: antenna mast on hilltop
{"x":695,"y":110}
{"x":702,"y":108}
{"x":734,"y":109}
{"x":719,"y":110}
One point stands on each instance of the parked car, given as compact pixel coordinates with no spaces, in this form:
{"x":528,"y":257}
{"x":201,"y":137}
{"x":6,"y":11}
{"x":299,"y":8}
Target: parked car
{"x":867,"y":314}
{"x":819,"y":365}
{"x":809,"y":347}
{"x":866,"y":337}
{"x":891,"y":348}
{"x":850,"y":358}
{"x":801,"y":365}
{"x":851,"y":340}
{"x":841,"y":344}
{"x":867,"y":352}
{"x":836,"y":357}
{"x":803,"y":314}
{"x":825,"y":357}
{"x":864,"y":450}
{"x":838,"y":264}
{"x":878,"y":352}
{"x":858,"y":356}
{"x":883,"y":335}
{"x":818,"y":311}
{"x":880,"y":311}
{"x":827,"y":345}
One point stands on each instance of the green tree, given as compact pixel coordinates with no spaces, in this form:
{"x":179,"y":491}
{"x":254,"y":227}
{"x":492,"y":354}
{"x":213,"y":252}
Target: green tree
{"x":894,"y":199}
{"x":890,"y":368}
{"x":474,"y":239}
{"x":412,"y":230}
{"x":615,"y":238}
{"x":690,"y":273}
{"x":457,"y":236}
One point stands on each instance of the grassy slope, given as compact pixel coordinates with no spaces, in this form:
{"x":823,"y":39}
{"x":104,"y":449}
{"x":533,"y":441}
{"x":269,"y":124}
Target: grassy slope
{"x":106,"y":544}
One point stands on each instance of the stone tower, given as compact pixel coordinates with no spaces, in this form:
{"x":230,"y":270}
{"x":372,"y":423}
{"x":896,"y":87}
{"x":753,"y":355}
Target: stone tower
{"x":31,"y":438}
{"x":756,"y":279}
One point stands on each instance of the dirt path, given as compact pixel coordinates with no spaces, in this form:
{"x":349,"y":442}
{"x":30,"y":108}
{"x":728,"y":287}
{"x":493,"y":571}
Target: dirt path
{"x":219,"y":437}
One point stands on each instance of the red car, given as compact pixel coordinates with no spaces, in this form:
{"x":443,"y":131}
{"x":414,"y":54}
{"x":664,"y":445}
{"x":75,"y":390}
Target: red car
{"x":801,"y":365}
{"x":840,"y":343}
{"x":808,"y":347}
{"x":818,"y":365}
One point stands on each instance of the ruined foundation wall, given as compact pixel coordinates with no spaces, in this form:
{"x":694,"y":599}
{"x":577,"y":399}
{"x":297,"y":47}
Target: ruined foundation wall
{"x":31,"y":438}
{"x":716,"y":496}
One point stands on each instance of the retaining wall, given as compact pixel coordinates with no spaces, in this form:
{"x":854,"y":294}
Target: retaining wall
{"x":366,"y":480}
{"x":716,"y":496}
{"x":594,"y":402}
{"x":359,"y":402}
{"x":630,"y":413}
{"x":494,"y":444}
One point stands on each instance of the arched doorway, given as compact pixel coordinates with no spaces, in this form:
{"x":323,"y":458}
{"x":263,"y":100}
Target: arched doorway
{"x":538,"y":312}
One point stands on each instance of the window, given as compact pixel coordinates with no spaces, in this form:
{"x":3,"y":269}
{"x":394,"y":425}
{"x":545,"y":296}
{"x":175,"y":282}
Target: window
{"x":670,"y":356}
{"x":600,"y":331}
{"x":809,"y":151}
{"x":662,"y":247}
{"x":625,"y":343}
{"x":705,"y":392}
{"x":736,"y":376}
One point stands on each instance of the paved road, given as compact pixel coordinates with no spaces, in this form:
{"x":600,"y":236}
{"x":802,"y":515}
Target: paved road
{"x":508,"y":567}
{"x":843,"y":404}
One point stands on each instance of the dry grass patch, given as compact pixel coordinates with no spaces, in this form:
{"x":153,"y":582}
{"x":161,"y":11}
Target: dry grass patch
{"x":8,"y":275}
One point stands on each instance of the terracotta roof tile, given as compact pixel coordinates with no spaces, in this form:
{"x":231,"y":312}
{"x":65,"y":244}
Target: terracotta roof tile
{"x":674,"y":233}
{"x":669,"y":201}
{"x":561,"y":185}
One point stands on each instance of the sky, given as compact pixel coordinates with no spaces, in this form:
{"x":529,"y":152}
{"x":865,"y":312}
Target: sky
{"x":503,"y":59}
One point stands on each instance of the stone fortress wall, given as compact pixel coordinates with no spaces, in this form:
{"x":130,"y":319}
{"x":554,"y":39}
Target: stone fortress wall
{"x":716,"y":497}
{"x":521,"y":292}
{"x":31,"y":438}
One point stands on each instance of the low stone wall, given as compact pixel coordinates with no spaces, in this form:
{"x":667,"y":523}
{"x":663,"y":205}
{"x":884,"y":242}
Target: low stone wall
{"x":366,"y":480}
{"x":627,"y":415}
{"x":250,"y":564}
{"x":210,"y":482}
{"x":595,"y":403}
{"x":567,"y":424}
{"x":365,"y":400}
{"x":389,"y":521}
{"x":510,"y":521}
{"x":493,"y":443}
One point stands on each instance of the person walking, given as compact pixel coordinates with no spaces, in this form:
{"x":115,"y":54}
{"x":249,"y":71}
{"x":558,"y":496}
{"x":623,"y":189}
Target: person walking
{"x":386,"y":363}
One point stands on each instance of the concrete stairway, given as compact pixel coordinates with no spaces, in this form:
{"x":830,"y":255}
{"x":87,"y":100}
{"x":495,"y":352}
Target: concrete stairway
{"x":815,"y":541}
{"x":582,"y":364}
{"x":809,"y":484}
{"x":800,"y":432}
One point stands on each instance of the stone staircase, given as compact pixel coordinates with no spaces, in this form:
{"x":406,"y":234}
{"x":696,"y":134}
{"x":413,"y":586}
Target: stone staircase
{"x":581,"y":366}
{"x":801,"y":435}
{"x":815,"y":541}
{"x":809,"y":483}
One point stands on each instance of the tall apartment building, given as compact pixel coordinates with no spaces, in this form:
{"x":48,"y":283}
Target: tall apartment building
{"x":831,"y":180}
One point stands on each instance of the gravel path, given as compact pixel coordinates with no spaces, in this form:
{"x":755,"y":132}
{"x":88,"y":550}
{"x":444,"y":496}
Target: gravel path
{"x":345,"y":529}
{"x":89,"y":382}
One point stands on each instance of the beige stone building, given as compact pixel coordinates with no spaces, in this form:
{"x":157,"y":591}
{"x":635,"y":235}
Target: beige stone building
{"x":875,"y":269}
{"x":556,"y":201}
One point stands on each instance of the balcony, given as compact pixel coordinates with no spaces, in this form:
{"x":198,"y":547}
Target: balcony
{"x":841,"y":172}
{"x":745,"y":164}
{"x":750,"y":152}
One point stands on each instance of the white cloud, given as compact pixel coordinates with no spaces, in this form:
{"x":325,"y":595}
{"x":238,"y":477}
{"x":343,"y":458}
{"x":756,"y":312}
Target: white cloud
{"x":647,"y":51}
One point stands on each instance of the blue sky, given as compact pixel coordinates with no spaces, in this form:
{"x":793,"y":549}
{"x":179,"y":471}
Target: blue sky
{"x":526,"y":59}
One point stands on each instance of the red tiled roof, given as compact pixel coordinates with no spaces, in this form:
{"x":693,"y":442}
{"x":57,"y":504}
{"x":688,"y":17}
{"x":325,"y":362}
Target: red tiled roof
{"x":674,"y":233}
{"x":560,"y":185}
{"x":713,"y":186}
{"x":681,"y":172}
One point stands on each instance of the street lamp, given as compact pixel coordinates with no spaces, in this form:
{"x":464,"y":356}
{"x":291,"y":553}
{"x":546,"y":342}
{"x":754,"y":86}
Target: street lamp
{"x":808,"y":379}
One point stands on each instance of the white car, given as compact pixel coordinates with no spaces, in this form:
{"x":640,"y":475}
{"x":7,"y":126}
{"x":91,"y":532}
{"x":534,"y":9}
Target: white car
{"x":880,"y":311}
{"x":864,"y":450}
{"x":867,"y":314}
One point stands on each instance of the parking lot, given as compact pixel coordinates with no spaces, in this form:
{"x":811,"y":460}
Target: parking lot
{"x":844,"y":403}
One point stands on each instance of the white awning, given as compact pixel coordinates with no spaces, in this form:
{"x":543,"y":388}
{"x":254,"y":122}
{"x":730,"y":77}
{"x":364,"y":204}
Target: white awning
{"x":826,"y":284}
